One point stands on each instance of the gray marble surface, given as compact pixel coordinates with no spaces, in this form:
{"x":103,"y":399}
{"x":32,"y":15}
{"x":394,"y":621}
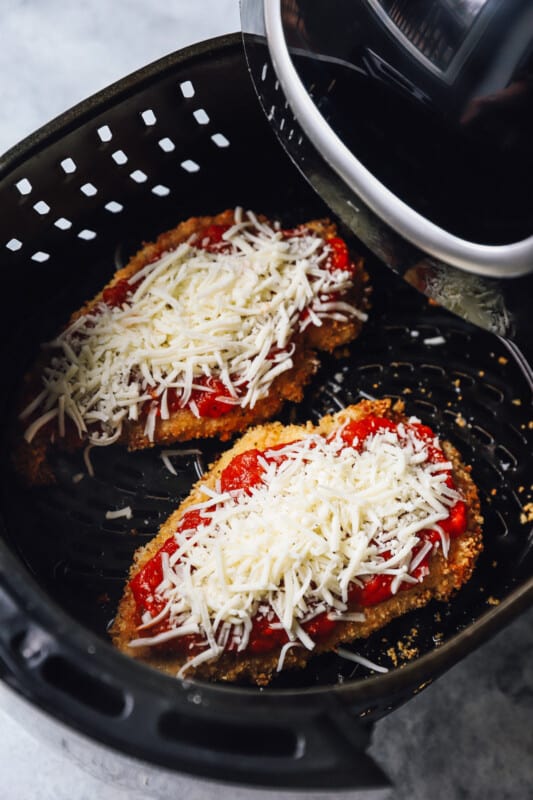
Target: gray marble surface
{"x":470,"y":735}
{"x":54,"y":53}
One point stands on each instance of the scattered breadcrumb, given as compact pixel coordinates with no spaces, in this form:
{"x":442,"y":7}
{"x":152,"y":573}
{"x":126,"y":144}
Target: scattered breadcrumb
{"x":460,"y":420}
{"x":481,"y":373}
{"x":407,"y":652}
{"x":516,"y":401}
{"x":341,"y":352}
{"x":493,"y":601}
{"x":502,"y":360}
{"x":404,"y":649}
{"x":78,"y":477}
{"x":423,"y":685}
{"x":527,"y":513}
{"x":494,"y":492}
{"x":407,"y":390}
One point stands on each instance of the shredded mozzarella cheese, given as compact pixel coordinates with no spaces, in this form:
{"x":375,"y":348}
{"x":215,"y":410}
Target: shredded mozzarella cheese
{"x":125,"y":512}
{"x":357,"y":659}
{"x":191,"y":315}
{"x":325,"y":517}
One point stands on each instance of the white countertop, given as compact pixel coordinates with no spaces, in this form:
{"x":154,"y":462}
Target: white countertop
{"x":470,"y":735}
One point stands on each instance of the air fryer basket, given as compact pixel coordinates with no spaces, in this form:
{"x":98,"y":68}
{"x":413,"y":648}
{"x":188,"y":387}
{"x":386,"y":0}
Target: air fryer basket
{"x":186,"y":136}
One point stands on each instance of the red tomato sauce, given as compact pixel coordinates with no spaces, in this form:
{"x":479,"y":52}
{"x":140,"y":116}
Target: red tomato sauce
{"x":211,"y":403}
{"x":215,"y":401}
{"x":211,"y":239}
{"x":116,"y":294}
{"x":244,"y":472}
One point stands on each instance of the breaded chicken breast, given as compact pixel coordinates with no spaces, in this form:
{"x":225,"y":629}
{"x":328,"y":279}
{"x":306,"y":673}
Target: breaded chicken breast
{"x":299,"y":539}
{"x":206,"y":331}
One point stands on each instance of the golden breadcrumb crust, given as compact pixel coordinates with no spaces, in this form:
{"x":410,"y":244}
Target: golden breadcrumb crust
{"x":31,"y":459}
{"x":445,"y":576}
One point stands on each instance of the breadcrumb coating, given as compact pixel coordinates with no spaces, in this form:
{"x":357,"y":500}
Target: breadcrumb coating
{"x":446,"y":575}
{"x":30,"y":459}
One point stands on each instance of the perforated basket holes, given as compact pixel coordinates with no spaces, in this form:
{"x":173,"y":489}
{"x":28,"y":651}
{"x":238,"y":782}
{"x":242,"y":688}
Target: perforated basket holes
{"x":277,"y":109}
{"x":190,"y":140}
{"x":276,"y":106}
{"x":149,"y":143}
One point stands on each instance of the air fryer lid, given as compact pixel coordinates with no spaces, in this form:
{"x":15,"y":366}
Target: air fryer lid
{"x":78,"y":198}
{"x":414,"y":122}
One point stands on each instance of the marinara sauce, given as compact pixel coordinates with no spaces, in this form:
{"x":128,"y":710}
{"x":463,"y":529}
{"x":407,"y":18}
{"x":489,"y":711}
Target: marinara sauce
{"x":244,"y":472}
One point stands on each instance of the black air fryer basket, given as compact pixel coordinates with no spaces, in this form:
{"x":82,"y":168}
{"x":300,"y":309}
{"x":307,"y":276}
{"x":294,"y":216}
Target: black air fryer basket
{"x":184,"y":137}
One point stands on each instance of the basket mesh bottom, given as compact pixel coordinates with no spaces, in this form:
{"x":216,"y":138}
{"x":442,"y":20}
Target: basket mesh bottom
{"x":465,"y":385}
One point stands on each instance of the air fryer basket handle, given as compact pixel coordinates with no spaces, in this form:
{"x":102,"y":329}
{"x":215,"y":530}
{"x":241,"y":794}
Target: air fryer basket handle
{"x":310,"y":748}
{"x":315,"y":746}
{"x":348,"y":739}
{"x":333,"y":752}
{"x":307,"y":750}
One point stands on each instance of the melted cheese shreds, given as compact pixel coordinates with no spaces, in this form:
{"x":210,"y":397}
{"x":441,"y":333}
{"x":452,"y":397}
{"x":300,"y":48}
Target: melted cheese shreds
{"x":191,"y":315}
{"x":166,"y":455}
{"x":283,"y":652}
{"x":357,"y":659}
{"x":117,"y":513}
{"x":325,"y":517}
